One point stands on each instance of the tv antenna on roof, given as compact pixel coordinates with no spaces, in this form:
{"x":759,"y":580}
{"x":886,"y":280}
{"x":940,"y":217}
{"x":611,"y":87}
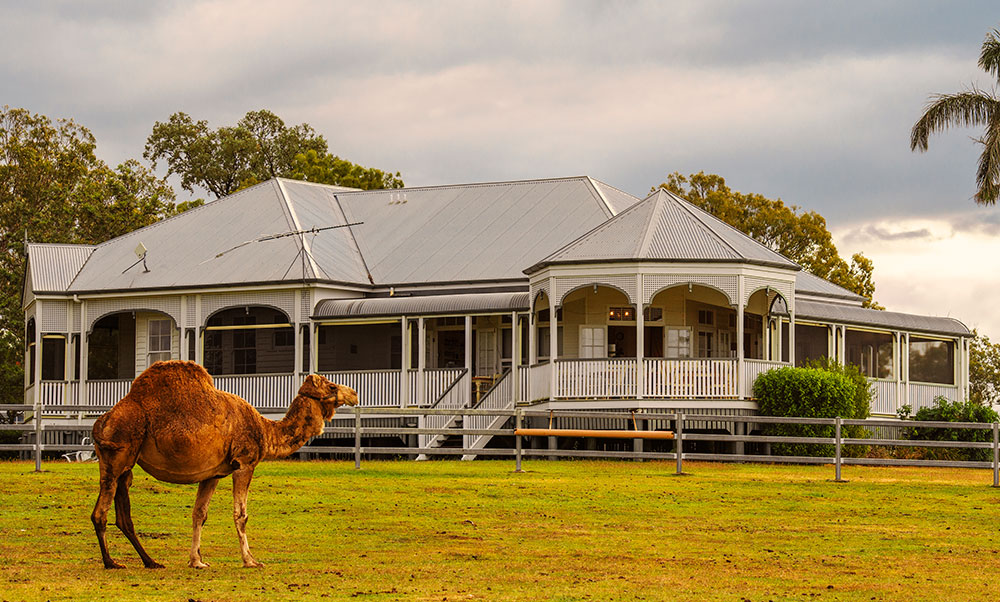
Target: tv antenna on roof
{"x":312,"y":230}
{"x":140,"y":252}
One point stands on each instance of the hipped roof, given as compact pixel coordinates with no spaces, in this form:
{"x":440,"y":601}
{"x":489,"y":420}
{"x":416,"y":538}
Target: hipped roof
{"x":665,"y":227}
{"x":462,"y":233}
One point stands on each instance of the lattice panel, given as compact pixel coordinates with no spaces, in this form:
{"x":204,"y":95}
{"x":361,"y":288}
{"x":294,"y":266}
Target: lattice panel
{"x":76,"y":309}
{"x":755,"y":283}
{"x":99,"y":308}
{"x":283,"y":300}
{"x":306,"y":305}
{"x":52,"y":316}
{"x":541,"y":287}
{"x":654,"y":283}
{"x":191,"y":319}
{"x":624,"y":283}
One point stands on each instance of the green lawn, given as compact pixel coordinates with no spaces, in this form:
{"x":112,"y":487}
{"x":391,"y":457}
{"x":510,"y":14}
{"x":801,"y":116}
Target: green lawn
{"x":570,"y":530}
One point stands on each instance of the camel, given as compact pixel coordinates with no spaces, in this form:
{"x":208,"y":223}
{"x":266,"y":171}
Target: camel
{"x":179,"y":428}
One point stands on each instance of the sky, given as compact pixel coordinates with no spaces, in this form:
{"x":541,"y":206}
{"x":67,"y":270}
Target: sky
{"x":809,"y":102}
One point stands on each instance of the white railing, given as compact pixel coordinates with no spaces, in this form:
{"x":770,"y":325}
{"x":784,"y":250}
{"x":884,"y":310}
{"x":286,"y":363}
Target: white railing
{"x":754,"y":368}
{"x":922,"y":395}
{"x":106,"y":392}
{"x":263,"y":391}
{"x":436,"y":382}
{"x":500,"y":397}
{"x":524,"y":375}
{"x":540,"y":376}
{"x":884,"y":396}
{"x":375,"y":388}
{"x":455,"y":396}
{"x":57,"y":393}
{"x":412,"y":390}
{"x":690,"y":378}
{"x":604,"y":378}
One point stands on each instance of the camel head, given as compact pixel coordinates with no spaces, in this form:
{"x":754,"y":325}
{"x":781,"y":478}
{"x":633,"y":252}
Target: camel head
{"x":329,"y":395}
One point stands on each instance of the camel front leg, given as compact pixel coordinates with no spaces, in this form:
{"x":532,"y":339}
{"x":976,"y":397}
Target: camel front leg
{"x":199,"y":515}
{"x":241,"y":487}
{"x":123,"y":519}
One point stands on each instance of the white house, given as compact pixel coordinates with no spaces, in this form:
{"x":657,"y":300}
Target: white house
{"x":563,"y":293}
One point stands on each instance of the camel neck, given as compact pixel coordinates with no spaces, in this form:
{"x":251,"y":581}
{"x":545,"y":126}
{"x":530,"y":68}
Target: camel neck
{"x":302,"y":422}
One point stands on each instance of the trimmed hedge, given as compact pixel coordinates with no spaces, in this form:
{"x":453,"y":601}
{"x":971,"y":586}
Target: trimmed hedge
{"x":945,"y":410}
{"x":812,"y":392}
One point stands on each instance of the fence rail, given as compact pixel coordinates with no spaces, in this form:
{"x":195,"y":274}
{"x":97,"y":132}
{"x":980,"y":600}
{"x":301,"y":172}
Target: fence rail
{"x":348,"y":421}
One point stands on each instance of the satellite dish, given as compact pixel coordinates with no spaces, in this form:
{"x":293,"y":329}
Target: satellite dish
{"x":140,"y":252}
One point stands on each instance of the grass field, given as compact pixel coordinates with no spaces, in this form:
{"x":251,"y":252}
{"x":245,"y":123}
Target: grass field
{"x":559,"y":531}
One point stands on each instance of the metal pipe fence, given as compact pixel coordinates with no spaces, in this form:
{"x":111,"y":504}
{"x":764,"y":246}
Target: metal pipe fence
{"x":348,"y":425}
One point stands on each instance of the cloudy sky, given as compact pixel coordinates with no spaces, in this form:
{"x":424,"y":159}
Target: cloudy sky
{"x":810,"y":102}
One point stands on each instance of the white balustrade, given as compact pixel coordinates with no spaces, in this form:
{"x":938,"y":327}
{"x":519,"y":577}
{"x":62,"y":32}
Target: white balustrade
{"x":754,"y":368}
{"x":436,"y":382}
{"x":884,"y":396}
{"x":106,"y":392}
{"x":500,"y":397}
{"x":690,"y":378}
{"x":454,"y":396}
{"x":375,"y":388}
{"x":922,"y":394}
{"x":540,"y":376}
{"x":600,"y":378}
{"x":263,"y":391}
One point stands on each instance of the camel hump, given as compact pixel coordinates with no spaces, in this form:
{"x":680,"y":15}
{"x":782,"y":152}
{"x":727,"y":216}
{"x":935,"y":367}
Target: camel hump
{"x":176,"y":376}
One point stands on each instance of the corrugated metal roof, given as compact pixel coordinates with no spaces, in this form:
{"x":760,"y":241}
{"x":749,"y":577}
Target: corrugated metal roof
{"x":53,"y":266}
{"x":847,"y":314}
{"x":665,"y":227}
{"x":618,"y":200}
{"x":424,"y":305}
{"x":809,"y":283}
{"x":478,"y":232}
{"x":182,"y":250}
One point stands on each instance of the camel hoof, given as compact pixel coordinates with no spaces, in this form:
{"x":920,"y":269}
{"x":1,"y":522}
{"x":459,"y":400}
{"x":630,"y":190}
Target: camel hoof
{"x":154,"y":565}
{"x":253,"y":564}
{"x":113,"y":565}
{"x":198,"y":564}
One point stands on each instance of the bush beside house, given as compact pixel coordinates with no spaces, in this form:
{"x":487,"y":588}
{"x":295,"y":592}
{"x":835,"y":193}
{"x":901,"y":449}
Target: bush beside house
{"x":825,"y":390}
{"x":945,"y":410}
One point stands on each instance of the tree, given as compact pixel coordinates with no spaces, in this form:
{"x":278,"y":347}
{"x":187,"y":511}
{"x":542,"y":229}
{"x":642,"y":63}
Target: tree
{"x":971,"y":108}
{"x":260,"y":146}
{"x":984,"y":370}
{"x":801,"y":237}
{"x":53,"y":188}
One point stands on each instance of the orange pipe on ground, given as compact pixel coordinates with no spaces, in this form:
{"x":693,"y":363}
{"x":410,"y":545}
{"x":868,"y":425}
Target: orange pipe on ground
{"x":594,"y":433}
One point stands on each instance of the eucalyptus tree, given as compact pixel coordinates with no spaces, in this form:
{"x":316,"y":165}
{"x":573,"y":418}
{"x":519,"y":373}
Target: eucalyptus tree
{"x":973,"y":107}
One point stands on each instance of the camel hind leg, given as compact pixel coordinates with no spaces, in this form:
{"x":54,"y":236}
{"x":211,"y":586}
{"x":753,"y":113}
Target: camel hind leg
{"x":241,"y":488}
{"x":199,"y":515}
{"x":123,"y":519}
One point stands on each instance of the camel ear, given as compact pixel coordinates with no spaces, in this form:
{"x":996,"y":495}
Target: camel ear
{"x":313,"y":387}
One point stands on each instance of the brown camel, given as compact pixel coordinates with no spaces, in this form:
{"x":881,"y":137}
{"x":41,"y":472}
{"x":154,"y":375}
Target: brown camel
{"x":179,"y":428}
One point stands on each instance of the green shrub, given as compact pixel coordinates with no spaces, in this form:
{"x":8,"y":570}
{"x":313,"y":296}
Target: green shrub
{"x":812,"y":392}
{"x":945,"y":410}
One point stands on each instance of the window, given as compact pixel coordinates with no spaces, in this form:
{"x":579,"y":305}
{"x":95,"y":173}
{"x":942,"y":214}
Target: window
{"x":213,"y":351}
{"x":678,"y":342}
{"x":706,"y":317}
{"x":932,"y":361}
{"x":284,"y":337}
{"x":621,"y":314}
{"x":159,"y":341}
{"x":592,"y":343}
{"x":652,"y":314}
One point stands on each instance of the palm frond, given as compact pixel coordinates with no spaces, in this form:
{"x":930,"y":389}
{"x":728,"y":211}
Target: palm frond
{"x":988,"y":173}
{"x":989,"y":57}
{"x":970,"y":108}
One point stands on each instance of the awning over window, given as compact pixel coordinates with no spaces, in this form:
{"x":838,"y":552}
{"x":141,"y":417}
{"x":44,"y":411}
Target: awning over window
{"x":890,"y":320}
{"x":473,"y":303}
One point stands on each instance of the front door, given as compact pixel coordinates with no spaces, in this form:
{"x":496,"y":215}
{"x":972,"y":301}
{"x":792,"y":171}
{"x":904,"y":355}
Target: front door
{"x":486,"y":353}
{"x":592,"y":343}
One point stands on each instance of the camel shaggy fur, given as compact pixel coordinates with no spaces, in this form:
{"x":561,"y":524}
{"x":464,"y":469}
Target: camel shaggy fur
{"x":179,"y":428}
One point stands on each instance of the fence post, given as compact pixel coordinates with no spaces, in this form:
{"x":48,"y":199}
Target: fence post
{"x":357,"y":438}
{"x":837,"y":458}
{"x":996,"y":454}
{"x":517,"y":439}
{"x":38,"y":426}
{"x":679,"y":443}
